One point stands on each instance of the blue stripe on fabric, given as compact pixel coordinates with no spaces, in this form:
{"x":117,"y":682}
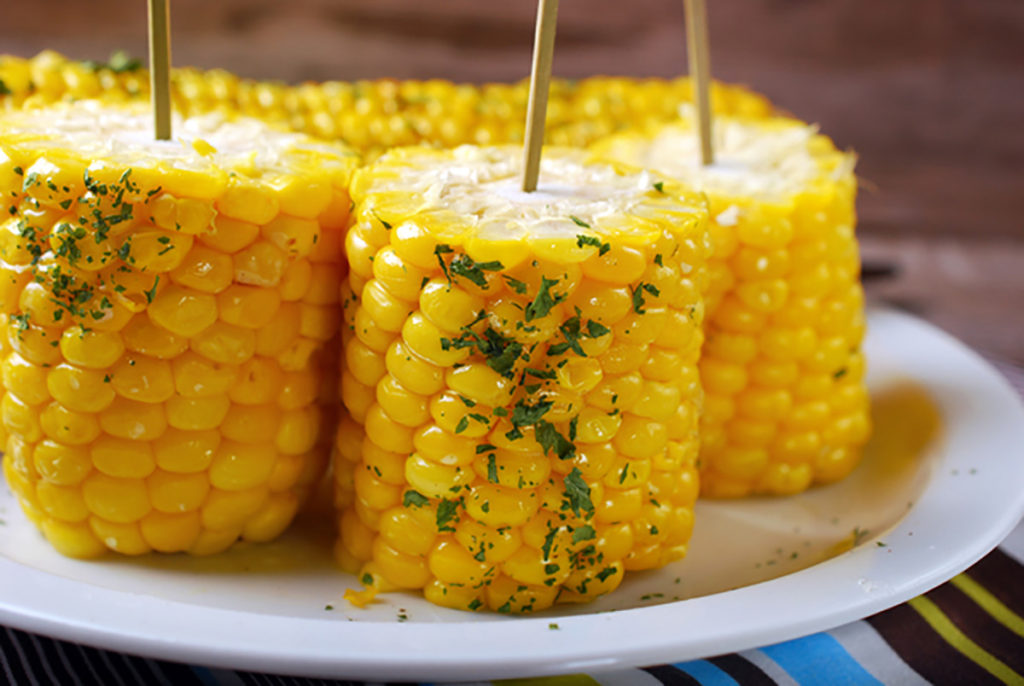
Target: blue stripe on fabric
{"x":706,"y":673}
{"x":819,"y":659}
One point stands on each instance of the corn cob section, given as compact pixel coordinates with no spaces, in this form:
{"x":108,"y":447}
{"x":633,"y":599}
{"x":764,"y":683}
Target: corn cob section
{"x":520,"y":373}
{"x":169,"y":311}
{"x":786,"y":404}
{"x":373,"y":116}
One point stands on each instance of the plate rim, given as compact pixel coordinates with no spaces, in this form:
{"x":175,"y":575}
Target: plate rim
{"x":508,"y":646}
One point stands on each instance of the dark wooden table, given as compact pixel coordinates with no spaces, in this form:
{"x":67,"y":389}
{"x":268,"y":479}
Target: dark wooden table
{"x":930,"y":93}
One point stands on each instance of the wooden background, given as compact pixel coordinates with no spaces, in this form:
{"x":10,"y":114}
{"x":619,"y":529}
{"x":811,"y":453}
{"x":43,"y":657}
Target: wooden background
{"x":930,"y":93}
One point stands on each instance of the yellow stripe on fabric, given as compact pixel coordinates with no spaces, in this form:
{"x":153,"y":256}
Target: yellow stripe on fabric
{"x":990,"y":604}
{"x":567,"y":680}
{"x":949,"y":632}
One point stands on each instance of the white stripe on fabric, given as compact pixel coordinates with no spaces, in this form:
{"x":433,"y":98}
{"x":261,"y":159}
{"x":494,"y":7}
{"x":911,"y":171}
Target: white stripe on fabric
{"x":63,"y":657}
{"x":626,"y":677}
{"x":866,"y":646}
{"x":7,"y":667}
{"x":130,"y":666}
{"x":769,"y":667}
{"x":21,"y":656}
{"x":155,"y":669}
{"x":43,"y":658}
{"x":105,"y":656}
{"x":88,"y":663}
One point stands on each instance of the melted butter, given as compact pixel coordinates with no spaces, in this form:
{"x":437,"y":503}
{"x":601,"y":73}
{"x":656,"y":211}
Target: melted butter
{"x":906,"y":423}
{"x":767,"y":160}
{"x":124,"y":134}
{"x":483,"y":186}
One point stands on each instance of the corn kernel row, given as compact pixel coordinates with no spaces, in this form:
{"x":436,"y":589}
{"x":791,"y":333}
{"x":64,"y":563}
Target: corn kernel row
{"x":520,"y":375}
{"x":169,"y":313}
{"x":786,"y":405}
{"x":373,"y":116}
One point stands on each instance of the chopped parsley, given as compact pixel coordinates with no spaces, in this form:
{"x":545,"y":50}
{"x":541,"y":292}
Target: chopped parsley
{"x":544,"y":301}
{"x":447,"y":512}
{"x":577,"y":493}
{"x":583,"y":533}
{"x":119,"y":62}
{"x":602,"y":248}
{"x":579,"y":222}
{"x":638,"y":295}
{"x":414,"y":499}
{"x":151,"y":293}
{"x":515,"y":284}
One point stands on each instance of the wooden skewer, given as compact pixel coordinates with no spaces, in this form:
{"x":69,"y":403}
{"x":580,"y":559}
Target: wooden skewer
{"x":160,"y":67}
{"x":700,"y":72}
{"x":540,"y":79}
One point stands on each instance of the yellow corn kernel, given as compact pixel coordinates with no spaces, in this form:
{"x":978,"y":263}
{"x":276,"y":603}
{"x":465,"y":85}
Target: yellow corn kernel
{"x":68,"y":426}
{"x":141,"y":335}
{"x":170,"y":533}
{"x":239,"y":466}
{"x":91,"y":349}
{"x":183,"y":311}
{"x":205,"y":270}
{"x":142,"y":378}
{"x":122,"y":458}
{"x":229,"y":235}
{"x":133,"y":420}
{"x":225,"y":344}
{"x":197,"y":414}
{"x":25,"y":380}
{"x":247,"y":306}
{"x":479,"y":383}
{"x":185,"y":452}
{"x":227,"y":511}
{"x":248,"y":202}
{"x":418,"y":375}
{"x":260,"y":264}
{"x":403,"y":406}
{"x":60,"y":464}
{"x":117,"y":500}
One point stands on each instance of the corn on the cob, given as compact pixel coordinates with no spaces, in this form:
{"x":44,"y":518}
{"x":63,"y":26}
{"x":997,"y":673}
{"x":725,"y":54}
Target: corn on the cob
{"x":786,"y":404}
{"x":373,"y":116}
{"x":168,"y":310}
{"x":520,"y":373}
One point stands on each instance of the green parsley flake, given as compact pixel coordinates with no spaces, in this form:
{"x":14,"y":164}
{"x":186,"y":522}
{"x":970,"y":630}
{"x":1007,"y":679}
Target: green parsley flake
{"x":602,"y":248}
{"x":414,"y":499}
{"x":447,"y":512}
{"x":577,"y":493}
{"x":544,"y":300}
{"x":464,"y":266}
{"x":583,"y":533}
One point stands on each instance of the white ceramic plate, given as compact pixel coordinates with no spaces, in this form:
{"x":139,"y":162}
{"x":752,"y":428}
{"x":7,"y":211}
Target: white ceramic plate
{"x":920,"y":509}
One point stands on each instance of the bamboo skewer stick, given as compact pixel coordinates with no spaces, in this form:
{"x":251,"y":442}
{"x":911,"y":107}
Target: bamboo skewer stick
{"x":540,"y":79}
{"x":700,"y":72}
{"x":160,"y":67}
